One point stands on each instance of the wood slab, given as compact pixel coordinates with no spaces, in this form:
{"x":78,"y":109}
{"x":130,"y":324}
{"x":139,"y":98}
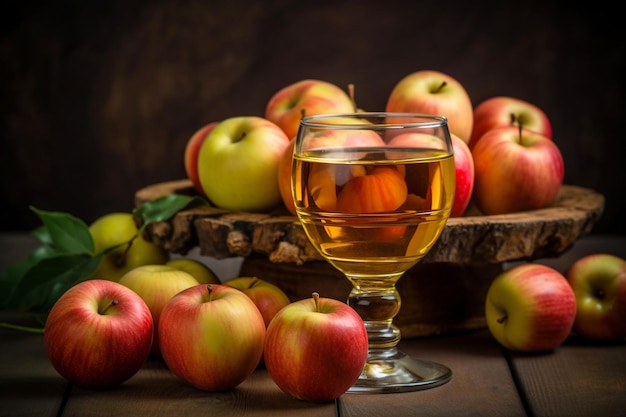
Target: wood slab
{"x":469,"y":239}
{"x":444,"y":293}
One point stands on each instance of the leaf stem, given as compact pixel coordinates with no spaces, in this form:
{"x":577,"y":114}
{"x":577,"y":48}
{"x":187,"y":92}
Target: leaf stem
{"x":38,"y":330}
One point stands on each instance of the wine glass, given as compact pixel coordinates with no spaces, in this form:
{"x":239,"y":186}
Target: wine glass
{"x":373,"y":192}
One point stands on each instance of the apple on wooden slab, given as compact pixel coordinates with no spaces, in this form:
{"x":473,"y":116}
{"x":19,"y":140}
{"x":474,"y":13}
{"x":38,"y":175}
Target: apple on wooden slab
{"x":599,"y":282}
{"x":98,"y":334}
{"x":438,"y":93}
{"x":503,"y":111}
{"x":306,"y":98}
{"x":192,"y":150}
{"x":316,"y":348}
{"x":530,"y":308}
{"x":238,"y":164}
{"x":516,"y":170}
{"x":463,"y":164}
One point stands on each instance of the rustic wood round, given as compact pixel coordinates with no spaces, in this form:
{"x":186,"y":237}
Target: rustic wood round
{"x":445,"y":292}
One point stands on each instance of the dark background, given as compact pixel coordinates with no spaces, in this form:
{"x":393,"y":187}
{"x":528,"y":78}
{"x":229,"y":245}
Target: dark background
{"x":99,"y":98}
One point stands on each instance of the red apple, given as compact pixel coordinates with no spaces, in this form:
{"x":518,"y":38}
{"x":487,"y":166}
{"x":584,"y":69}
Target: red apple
{"x":238,"y":164}
{"x":268,"y":298}
{"x":98,"y":334}
{"x":531,"y":308}
{"x":465,"y":176}
{"x":306,"y":98}
{"x":211,"y":336}
{"x":463,"y":164}
{"x":508,"y":111}
{"x":315,"y":348}
{"x":599,"y":282}
{"x":156,"y":285}
{"x":284,"y":177}
{"x":433,"y":92}
{"x":192,"y":150}
{"x":516,"y":170}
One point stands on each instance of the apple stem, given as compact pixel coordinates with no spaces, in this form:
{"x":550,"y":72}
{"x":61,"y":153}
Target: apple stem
{"x":316,"y":297}
{"x":111,"y":304}
{"x":502,"y":319}
{"x":209,"y":288}
{"x":254,"y":281}
{"x":515,"y":121}
{"x":243,"y":135}
{"x":351,"y":94}
{"x":121,"y":261}
{"x":441,"y":86}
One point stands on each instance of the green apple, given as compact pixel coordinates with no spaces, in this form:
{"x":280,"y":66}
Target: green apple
{"x":238,"y":164}
{"x":116,"y":228}
{"x":599,"y":282}
{"x":156,"y":285}
{"x":197,"y":269}
{"x":530,"y":307}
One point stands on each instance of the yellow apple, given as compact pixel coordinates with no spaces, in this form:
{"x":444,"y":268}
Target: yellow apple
{"x":116,"y":228}
{"x":197,"y":269}
{"x":156,"y":285}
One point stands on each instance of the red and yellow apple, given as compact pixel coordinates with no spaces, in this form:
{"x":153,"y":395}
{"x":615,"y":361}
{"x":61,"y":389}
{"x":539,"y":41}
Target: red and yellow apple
{"x":238,"y":164}
{"x":463,"y":164}
{"x":306,"y":98}
{"x":284,"y":177}
{"x":503,"y":111}
{"x":192,"y":150}
{"x":211,"y":336}
{"x":465,"y":176}
{"x":599,"y":283}
{"x":316,"y":348}
{"x":98,"y":334}
{"x":516,"y":170}
{"x":268,"y":298}
{"x":530,"y":308}
{"x":114,"y":229}
{"x":437,"y":93}
{"x":156,"y":285}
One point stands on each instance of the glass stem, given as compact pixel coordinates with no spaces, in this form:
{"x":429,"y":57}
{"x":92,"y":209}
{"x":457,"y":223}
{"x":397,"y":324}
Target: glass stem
{"x":377,"y":302}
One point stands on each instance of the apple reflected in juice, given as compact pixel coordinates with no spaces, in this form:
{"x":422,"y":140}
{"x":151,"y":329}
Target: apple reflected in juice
{"x":353,"y":239}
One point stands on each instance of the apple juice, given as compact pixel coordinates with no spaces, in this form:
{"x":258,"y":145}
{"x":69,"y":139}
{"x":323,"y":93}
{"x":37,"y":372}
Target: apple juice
{"x":378,"y":229}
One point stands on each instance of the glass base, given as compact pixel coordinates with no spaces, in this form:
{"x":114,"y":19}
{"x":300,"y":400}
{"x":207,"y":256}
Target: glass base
{"x":399,"y":373}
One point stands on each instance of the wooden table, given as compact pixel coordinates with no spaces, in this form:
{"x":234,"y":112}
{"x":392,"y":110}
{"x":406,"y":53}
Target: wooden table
{"x":578,"y":379}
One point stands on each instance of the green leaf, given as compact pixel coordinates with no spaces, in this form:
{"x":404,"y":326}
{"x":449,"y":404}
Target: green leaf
{"x":10,"y":278}
{"x":64,"y":231}
{"x":165,"y":207}
{"x":44,"y":283}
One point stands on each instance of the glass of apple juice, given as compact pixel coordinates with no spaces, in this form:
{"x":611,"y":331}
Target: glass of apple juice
{"x":373,"y":192}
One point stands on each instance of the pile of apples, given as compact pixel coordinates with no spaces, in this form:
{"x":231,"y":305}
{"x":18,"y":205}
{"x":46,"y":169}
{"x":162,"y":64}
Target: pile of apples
{"x":506,"y":160}
{"x":211,"y":334}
